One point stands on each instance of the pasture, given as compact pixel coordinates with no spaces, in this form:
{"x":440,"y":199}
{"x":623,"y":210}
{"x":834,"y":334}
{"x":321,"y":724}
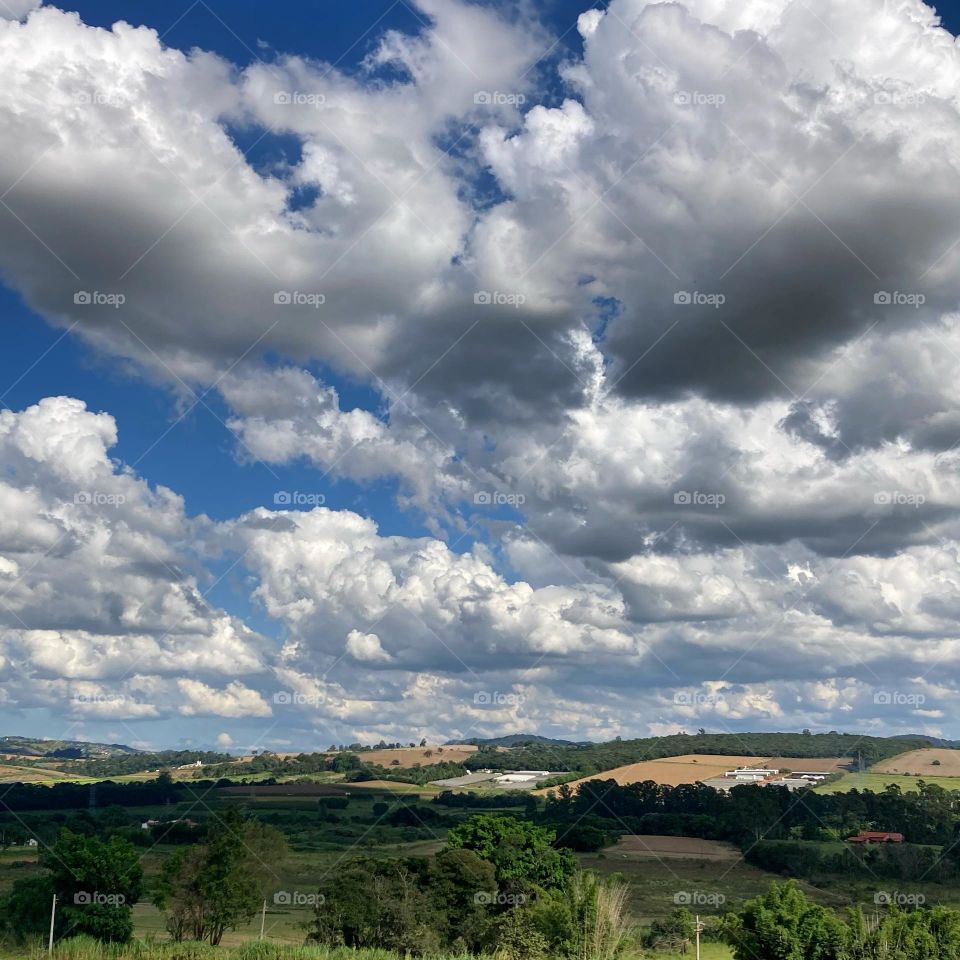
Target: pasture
{"x":932,"y":762}
{"x":878,"y":782}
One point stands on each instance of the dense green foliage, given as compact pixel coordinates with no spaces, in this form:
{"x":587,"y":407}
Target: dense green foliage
{"x":784,"y":925}
{"x":76,"y":796}
{"x":795,"y":834}
{"x":465,"y":800}
{"x":817,"y":861}
{"x":499,"y":887}
{"x":407,"y":904}
{"x":96,"y":883}
{"x":212,"y":887}
{"x":419,"y":774}
{"x":523,"y":854}
{"x":749,"y":813}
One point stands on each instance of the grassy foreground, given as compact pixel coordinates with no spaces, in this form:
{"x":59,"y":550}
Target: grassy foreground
{"x":83,"y":948}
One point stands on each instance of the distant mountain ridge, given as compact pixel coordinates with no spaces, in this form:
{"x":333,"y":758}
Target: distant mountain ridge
{"x":63,"y":749}
{"x":934,"y":741}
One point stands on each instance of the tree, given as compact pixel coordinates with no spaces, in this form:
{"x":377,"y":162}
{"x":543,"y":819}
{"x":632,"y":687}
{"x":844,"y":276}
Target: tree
{"x":522,"y":853}
{"x":783,"y":925}
{"x":217,"y":886}
{"x":518,"y":939}
{"x":97,"y":883}
{"x":461,"y":885}
{"x":673,"y":932}
{"x":377,"y":904}
{"x":25,"y":911}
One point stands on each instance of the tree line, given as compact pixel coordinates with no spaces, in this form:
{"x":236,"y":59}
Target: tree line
{"x":748,"y":813}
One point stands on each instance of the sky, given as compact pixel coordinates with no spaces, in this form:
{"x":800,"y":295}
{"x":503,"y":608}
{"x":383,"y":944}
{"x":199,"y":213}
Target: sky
{"x":442,"y":369}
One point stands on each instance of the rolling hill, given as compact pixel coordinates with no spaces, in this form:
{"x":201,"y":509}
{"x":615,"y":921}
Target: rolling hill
{"x":16,"y":746}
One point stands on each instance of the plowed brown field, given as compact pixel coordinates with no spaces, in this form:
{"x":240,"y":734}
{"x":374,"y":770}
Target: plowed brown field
{"x":918,"y":763}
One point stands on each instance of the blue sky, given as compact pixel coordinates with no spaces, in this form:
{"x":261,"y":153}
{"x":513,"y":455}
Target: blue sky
{"x":504,"y":481}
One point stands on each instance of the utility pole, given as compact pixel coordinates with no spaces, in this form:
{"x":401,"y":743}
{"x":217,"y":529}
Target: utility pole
{"x":698,"y":928}
{"x":263,"y":918}
{"x":53,"y":916}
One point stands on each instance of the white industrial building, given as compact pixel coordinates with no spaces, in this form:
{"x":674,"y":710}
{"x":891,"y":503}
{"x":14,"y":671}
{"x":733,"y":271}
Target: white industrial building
{"x":751,"y":774}
{"x":522,"y":776}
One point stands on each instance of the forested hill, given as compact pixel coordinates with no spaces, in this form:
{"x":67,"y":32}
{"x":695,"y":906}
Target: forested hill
{"x":522,"y":740}
{"x":62,"y":749}
{"x":597,"y":757}
{"x":138,"y":762}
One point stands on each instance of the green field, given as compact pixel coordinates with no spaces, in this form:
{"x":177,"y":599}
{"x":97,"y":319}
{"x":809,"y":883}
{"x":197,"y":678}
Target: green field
{"x":654,"y":884}
{"x":878,"y":782}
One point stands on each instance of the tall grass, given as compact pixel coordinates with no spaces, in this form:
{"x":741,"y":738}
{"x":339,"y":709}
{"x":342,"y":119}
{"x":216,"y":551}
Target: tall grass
{"x":85,"y":948}
{"x":602,"y":930}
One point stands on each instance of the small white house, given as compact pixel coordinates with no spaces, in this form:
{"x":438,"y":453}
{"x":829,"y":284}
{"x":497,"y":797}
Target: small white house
{"x":31,"y":842}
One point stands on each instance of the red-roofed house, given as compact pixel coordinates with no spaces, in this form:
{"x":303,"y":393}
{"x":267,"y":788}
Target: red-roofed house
{"x":876,"y":836}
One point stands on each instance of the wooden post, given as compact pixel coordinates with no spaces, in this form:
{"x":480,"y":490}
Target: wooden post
{"x":698,"y":926}
{"x":53,"y":916}
{"x":263,"y":918}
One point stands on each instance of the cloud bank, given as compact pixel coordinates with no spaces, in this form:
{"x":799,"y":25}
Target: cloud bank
{"x":665,"y":365}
